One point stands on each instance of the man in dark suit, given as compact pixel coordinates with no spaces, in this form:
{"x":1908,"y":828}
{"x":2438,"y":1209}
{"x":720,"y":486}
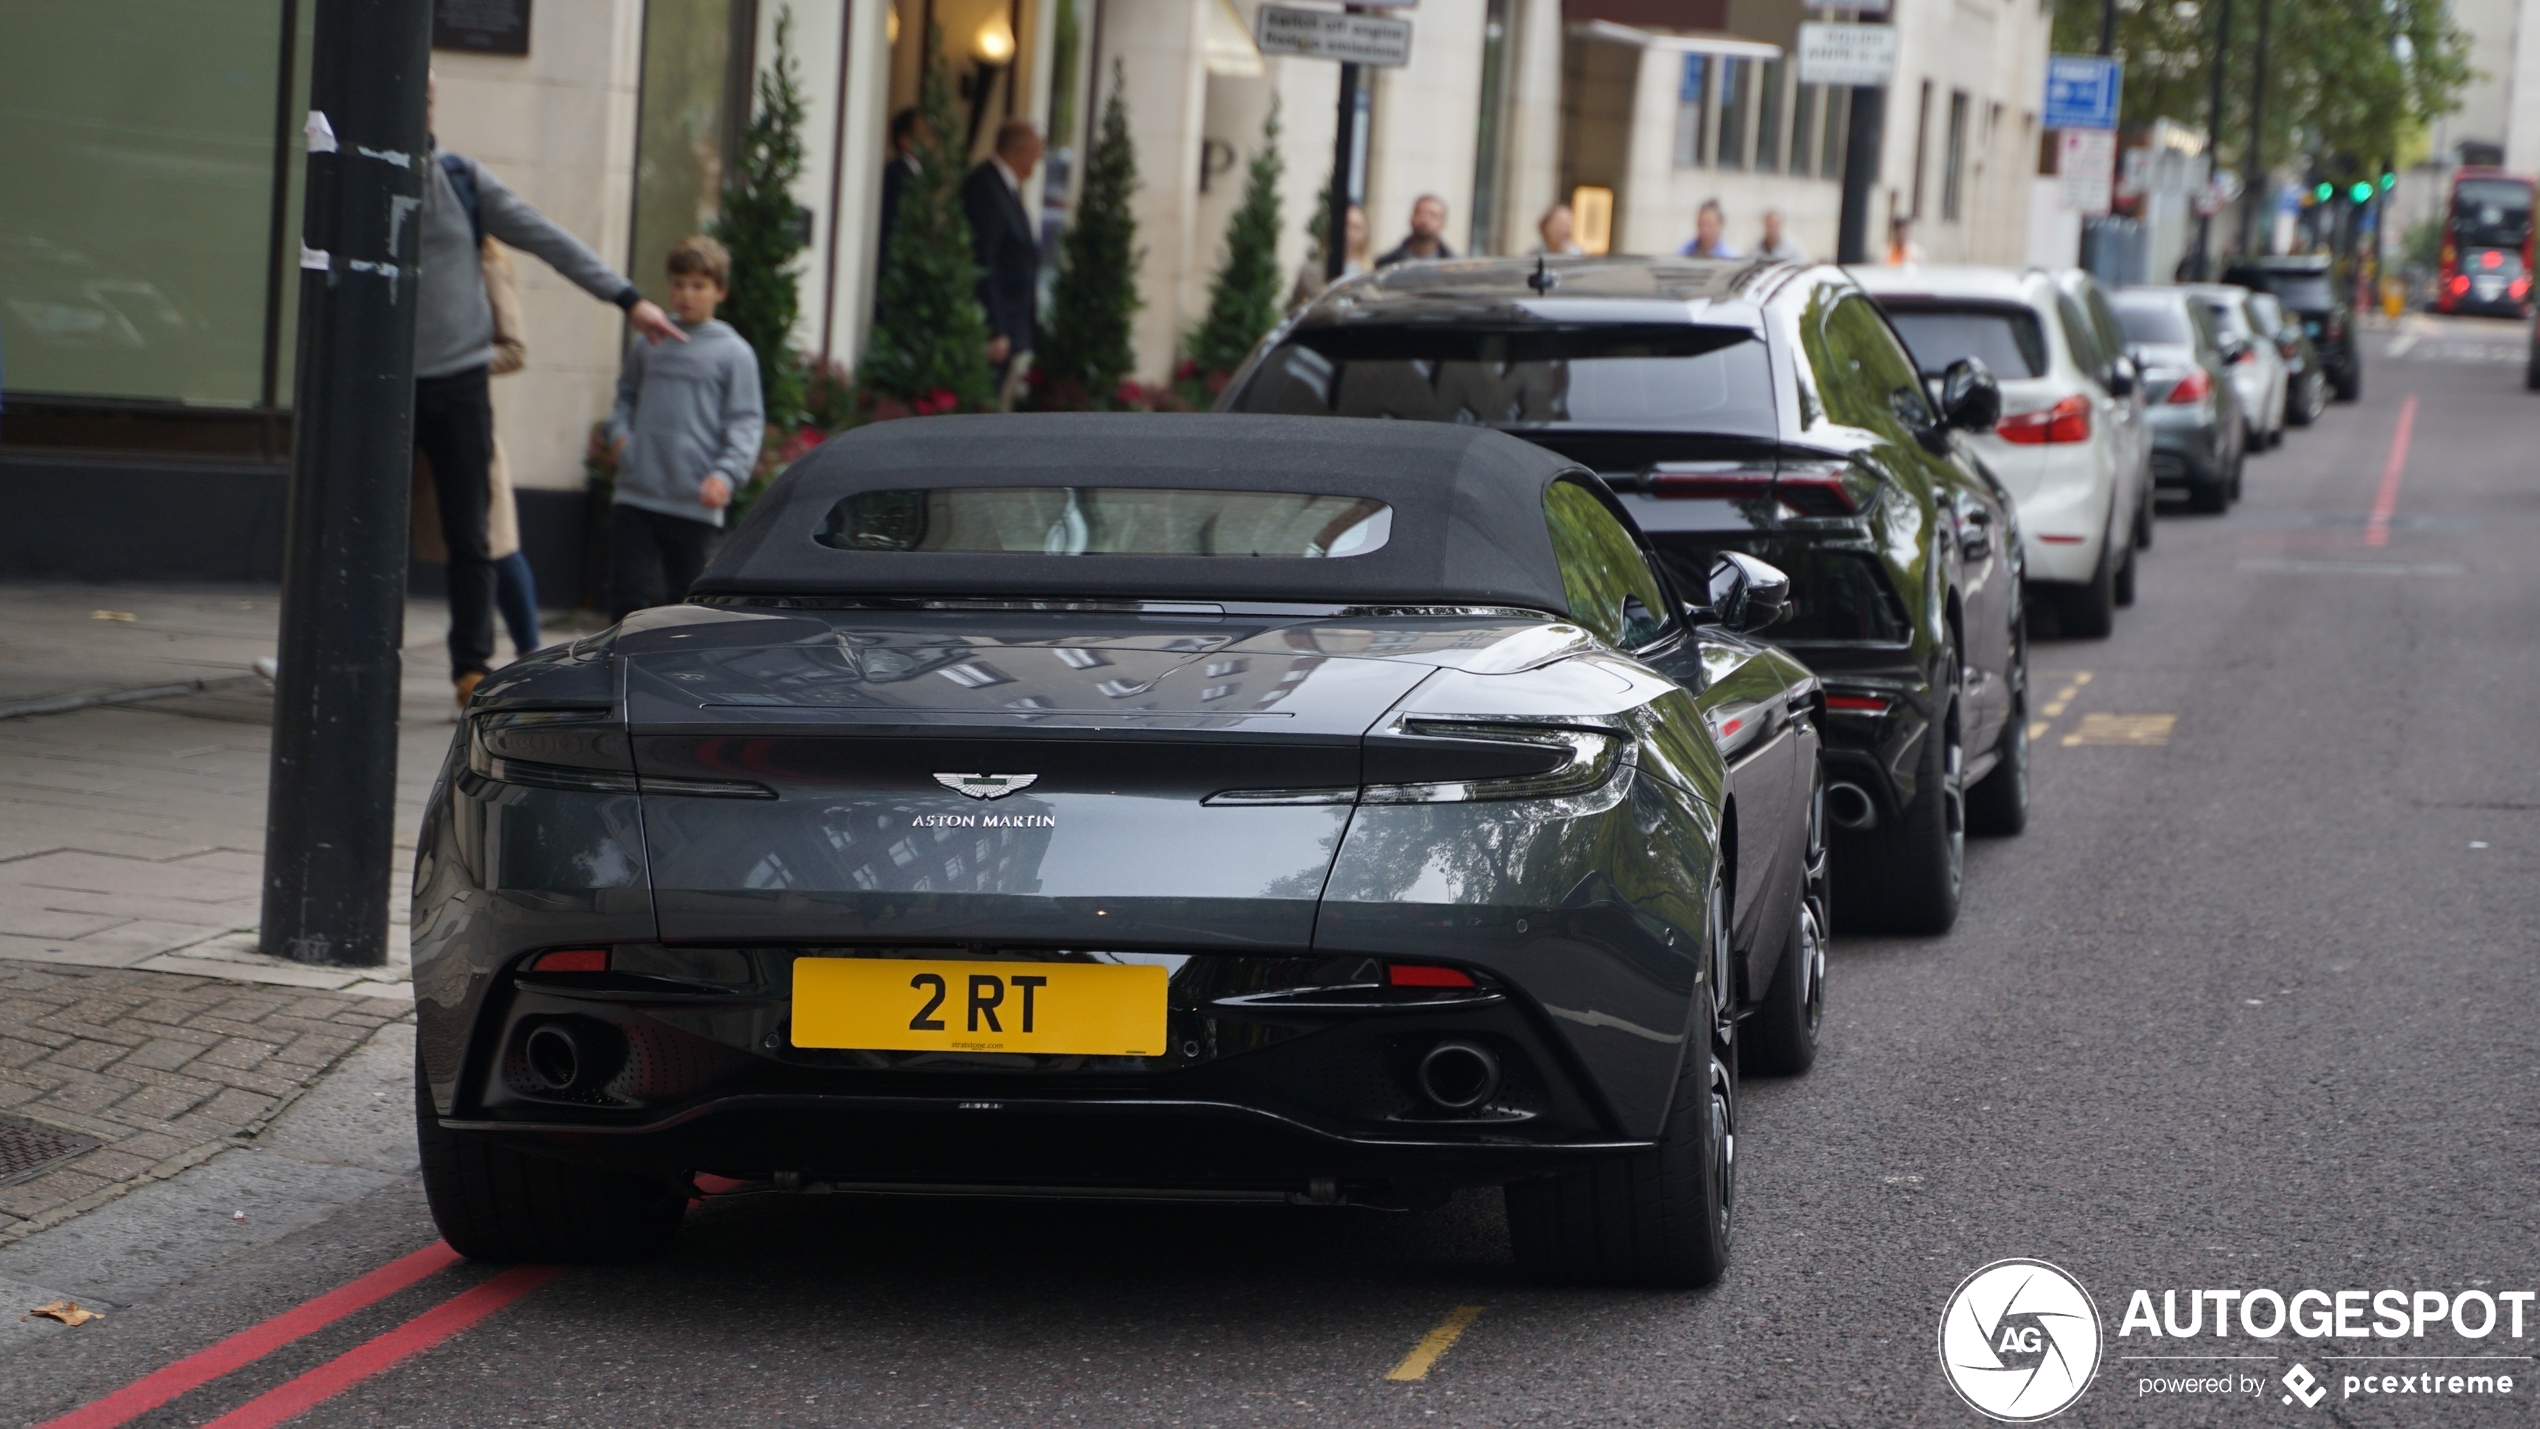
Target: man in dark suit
{"x":905,"y":128}
{"x":1002,"y":240}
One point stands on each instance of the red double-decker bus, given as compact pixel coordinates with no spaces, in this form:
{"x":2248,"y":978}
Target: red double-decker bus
{"x":2487,"y":245}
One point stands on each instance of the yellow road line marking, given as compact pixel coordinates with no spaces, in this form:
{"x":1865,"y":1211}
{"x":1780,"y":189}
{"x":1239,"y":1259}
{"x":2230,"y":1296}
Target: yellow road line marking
{"x":1415,"y":1365}
{"x":2148,"y":729}
{"x":2053,"y":710}
{"x":2081,"y":677}
{"x":2038,"y":730}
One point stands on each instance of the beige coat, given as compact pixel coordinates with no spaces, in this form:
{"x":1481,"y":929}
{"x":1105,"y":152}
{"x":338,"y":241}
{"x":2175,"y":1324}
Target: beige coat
{"x":511,"y":353}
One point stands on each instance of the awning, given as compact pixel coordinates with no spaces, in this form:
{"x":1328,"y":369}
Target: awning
{"x":1227,"y":44}
{"x":1727,"y":45}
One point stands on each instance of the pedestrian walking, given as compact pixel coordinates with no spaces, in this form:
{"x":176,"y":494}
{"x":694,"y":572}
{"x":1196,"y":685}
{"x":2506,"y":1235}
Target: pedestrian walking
{"x":1355,"y":260}
{"x":1427,"y":241}
{"x":1003,"y":242}
{"x":1901,"y":247}
{"x":515,"y":586}
{"x":1710,"y":227}
{"x":463,"y":205}
{"x":1777,"y":245}
{"x":687,"y":429}
{"x":1558,"y":228}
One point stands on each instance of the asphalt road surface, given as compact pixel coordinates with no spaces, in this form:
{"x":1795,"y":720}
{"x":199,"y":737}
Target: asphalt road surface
{"x":2253,"y":1004}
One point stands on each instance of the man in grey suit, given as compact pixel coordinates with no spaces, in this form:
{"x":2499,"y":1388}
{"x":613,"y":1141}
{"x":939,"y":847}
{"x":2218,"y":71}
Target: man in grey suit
{"x":1002,"y":241}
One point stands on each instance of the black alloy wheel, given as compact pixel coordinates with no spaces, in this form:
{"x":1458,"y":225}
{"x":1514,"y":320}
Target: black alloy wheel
{"x":1661,"y":1217}
{"x":1906,"y":878}
{"x":1781,"y":1034}
{"x":495,"y":1203}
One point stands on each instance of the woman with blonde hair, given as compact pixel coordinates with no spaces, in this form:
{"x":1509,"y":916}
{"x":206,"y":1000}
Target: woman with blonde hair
{"x":1360,"y":258}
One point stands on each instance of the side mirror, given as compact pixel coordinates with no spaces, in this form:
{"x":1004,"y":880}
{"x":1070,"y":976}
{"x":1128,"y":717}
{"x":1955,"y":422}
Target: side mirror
{"x":1746,"y":594}
{"x":2121,"y":378}
{"x":1970,"y":400}
{"x":2234,"y":348}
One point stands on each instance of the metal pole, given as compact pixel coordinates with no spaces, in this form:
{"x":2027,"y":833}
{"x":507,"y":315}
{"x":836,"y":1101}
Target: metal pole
{"x":2107,"y":27}
{"x":331,"y":802}
{"x":2213,"y":140}
{"x":2253,"y":187}
{"x":1344,"y":162}
{"x":1864,"y":132}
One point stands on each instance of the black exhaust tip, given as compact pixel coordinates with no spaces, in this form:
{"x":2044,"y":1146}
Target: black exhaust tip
{"x":1459,"y":1075}
{"x":1850,"y":808}
{"x":566,"y":1057}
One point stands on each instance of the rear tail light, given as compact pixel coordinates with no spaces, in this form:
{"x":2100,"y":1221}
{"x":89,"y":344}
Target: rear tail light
{"x":2521,"y":286}
{"x":1426,"y":975}
{"x":2066,"y":421}
{"x":1807,"y":491}
{"x":2460,"y":282}
{"x":2246,"y":354}
{"x":1857,"y":704}
{"x":571,"y":960}
{"x":2490,"y":258}
{"x":2194,"y":387}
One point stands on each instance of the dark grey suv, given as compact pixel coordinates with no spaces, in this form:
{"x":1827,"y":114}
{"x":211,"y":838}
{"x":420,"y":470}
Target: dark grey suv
{"x":2199,"y":433}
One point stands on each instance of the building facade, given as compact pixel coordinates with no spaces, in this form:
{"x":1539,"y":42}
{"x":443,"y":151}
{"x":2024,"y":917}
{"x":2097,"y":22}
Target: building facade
{"x":148,"y":250}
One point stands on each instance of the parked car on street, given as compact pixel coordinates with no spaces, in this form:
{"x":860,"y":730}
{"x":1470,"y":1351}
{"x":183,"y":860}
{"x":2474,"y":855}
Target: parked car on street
{"x":1766,"y":410}
{"x":2198,"y":433}
{"x":2308,"y":288}
{"x":2305,"y":384}
{"x":2257,"y":368}
{"x":2071,"y":446}
{"x":1219,"y":808}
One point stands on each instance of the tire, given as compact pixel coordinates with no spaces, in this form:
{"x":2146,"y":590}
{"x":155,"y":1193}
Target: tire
{"x":495,"y":1203}
{"x":2125,"y":574}
{"x":1997,"y":806}
{"x":1661,"y":1217}
{"x":2239,"y":475}
{"x":2143,"y":519}
{"x":2089,"y":611}
{"x":1779,"y":1038}
{"x":2306,"y":409}
{"x":2209,"y":498}
{"x":2531,"y":370}
{"x":2350,"y":386}
{"x":1906,"y":878}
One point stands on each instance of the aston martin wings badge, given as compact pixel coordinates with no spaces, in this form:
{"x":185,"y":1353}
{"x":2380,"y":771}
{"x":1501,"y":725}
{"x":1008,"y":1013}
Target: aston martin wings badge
{"x":986,"y":786}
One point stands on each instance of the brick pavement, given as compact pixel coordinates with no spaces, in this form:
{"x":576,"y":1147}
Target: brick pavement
{"x":162,"y":1069}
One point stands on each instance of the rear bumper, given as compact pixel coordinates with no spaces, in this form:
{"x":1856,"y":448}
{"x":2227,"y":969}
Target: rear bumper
{"x":2187,"y":452}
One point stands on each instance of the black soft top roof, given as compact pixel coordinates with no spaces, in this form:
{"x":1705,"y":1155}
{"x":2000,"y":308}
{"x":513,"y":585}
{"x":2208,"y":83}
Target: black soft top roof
{"x":1468,"y":519}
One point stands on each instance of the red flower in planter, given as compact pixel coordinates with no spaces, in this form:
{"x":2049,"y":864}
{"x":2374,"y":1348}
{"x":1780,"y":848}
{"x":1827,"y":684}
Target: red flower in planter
{"x":934,"y":403}
{"x":799,"y":445}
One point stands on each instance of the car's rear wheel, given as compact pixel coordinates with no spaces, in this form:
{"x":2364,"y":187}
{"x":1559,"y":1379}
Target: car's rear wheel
{"x":2143,"y":518}
{"x":1780,"y":1036}
{"x":2305,"y":407}
{"x":1906,"y":879}
{"x":493,"y":1202}
{"x":2125,"y":570}
{"x":2531,"y":370}
{"x":1660,"y":1217}
{"x":2351,"y":385}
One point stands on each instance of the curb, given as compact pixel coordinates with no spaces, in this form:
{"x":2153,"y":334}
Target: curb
{"x":64,"y":704}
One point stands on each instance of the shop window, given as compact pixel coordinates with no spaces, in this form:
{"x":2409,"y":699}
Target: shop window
{"x":1736,"y":77}
{"x":1803,"y":129}
{"x":1692,"y":114}
{"x":1838,"y":132}
{"x":1768,"y":117}
{"x":139,"y":224}
{"x":689,"y":114}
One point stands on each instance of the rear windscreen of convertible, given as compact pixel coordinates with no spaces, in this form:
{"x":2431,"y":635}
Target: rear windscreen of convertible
{"x":1107,"y":521}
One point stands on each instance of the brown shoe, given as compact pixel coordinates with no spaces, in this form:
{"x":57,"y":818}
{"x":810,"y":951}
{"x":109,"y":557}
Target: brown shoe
{"x":466,"y":686}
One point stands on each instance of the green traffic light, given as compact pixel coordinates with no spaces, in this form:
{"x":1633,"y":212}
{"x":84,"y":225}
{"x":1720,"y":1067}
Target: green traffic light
{"x":2389,"y":181}
{"x":2360,"y":193}
{"x":2325,"y":192}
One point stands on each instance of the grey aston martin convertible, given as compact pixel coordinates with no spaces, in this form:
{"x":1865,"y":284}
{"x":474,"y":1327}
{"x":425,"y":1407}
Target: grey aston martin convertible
{"x":1227,"y":808}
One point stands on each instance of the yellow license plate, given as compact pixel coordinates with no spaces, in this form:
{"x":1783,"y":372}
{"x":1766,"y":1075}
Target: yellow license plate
{"x":910,"y":1005}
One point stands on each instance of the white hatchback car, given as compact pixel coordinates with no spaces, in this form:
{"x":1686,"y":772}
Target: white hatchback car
{"x":2257,"y":368}
{"x":2071,"y":445}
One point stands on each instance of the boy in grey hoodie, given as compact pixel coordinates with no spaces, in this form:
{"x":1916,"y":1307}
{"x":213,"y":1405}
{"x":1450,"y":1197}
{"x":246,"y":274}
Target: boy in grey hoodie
{"x":687,"y":429}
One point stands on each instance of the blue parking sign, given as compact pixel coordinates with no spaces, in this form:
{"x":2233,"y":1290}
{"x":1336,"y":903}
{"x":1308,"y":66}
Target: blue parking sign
{"x":2081,"y":91}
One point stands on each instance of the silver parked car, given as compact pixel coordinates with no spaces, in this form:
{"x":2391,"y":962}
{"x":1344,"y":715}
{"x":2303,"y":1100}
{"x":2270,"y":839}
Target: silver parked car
{"x":2249,"y":351}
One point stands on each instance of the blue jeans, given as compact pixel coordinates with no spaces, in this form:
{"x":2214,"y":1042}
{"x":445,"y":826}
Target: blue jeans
{"x":516,"y":594}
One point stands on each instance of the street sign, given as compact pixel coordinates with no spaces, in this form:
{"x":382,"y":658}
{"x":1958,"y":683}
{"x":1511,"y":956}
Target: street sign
{"x":2081,"y":91}
{"x":1329,"y":35}
{"x":1847,"y":54}
{"x":2086,"y":161}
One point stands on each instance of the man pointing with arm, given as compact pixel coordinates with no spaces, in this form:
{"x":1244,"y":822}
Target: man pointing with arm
{"x":464,"y":204}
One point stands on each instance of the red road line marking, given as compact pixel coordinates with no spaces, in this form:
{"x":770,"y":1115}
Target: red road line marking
{"x":276,"y":1406}
{"x":254,"y":1343}
{"x":2386,"y":500}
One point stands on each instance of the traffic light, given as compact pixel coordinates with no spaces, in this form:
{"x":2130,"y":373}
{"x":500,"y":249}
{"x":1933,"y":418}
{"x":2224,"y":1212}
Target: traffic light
{"x":2324,"y":192}
{"x":2389,"y":181}
{"x":2361,"y":192}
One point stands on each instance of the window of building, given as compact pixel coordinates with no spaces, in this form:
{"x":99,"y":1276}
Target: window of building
{"x":696,"y":71}
{"x":1838,"y":132}
{"x":150,"y":173}
{"x":1953,"y":171}
{"x":1491,"y":143}
{"x":1736,"y":78}
{"x":1768,"y":117}
{"x":1691,"y":112}
{"x":1803,"y":128}
{"x":1922,"y":147}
